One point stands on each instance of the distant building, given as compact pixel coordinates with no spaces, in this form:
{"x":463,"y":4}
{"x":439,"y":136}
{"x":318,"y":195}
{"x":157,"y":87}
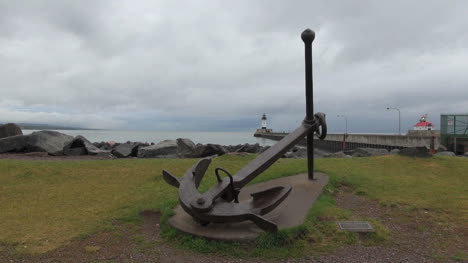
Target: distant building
{"x":264,"y":128}
{"x":423,"y":124}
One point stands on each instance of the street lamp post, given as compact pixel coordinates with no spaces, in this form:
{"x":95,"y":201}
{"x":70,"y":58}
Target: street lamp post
{"x":399,"y":118}
{"x":343,"y":146}
{"x":346,"y":121}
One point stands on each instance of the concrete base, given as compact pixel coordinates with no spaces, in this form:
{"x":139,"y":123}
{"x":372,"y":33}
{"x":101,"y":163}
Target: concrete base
{"x":292,"y":212}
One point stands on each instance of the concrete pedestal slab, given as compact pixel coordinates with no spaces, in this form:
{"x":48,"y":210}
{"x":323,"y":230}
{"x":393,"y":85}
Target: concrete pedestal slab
{"x":292,"y":212}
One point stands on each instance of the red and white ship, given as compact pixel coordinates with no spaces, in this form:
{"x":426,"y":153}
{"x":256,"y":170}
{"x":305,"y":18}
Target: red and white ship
{"x":423,"y":124}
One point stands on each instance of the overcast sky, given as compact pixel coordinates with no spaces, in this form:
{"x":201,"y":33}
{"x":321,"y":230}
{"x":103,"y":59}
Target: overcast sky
{"x":219,"y":65}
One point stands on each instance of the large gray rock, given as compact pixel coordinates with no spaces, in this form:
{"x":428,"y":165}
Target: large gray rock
{"x":337,"y":155}
{"x":395,"y":151}
{"x":210,"y":150}
{"x":164,"y":149}
{"x":249,"y":148}
{"x":14,"y":143}
{"x":367,"y":152}
{"x":186,"y":148}
{"x":10,"y":129}
{"x":75,"y":151}
{"x":446,"y":153}
{"x":48,"y":141}
{"x":415,"y":152}
{"x":125,"y":150}
{"x":232,"y":148}
{"x":442,"y":148}
{"x":81,"y":146}
{"x":297,"y":152}
{"x":264,"y":148}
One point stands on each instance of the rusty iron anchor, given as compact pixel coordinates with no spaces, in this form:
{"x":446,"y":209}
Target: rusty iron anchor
{"x":220,"y":204}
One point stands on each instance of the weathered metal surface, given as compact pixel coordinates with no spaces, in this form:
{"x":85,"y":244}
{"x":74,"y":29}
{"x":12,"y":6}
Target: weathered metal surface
{"x":220,"y":203}
{"x":291,"y":212}
{"x":308,"y":37}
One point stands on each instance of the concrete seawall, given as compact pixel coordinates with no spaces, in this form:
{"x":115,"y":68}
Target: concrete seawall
{"x":334,"y":141}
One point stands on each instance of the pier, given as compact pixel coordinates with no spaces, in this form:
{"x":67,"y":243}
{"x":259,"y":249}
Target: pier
{"x":344,"y":142}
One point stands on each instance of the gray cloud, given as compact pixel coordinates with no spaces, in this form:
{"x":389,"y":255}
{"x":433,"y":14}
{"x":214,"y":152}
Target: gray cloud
{"x":220,"y":65}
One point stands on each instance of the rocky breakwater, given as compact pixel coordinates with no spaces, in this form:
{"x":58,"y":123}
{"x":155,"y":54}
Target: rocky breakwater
{"x":43,"y":143}
{"x":53,"y":143}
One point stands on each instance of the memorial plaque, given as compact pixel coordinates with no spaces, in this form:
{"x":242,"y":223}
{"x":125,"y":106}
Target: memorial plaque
{"x":356,"y":226}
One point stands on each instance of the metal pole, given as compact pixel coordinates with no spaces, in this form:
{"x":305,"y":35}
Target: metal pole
{"x":346,"y":130}
{"x":346,"y":122}
{"x":308,"y":37}
{"x":399,"y":119}
{"x":399,"y":122}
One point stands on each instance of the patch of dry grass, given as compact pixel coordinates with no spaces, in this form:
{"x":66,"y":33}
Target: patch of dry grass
{"x":44,"y":204}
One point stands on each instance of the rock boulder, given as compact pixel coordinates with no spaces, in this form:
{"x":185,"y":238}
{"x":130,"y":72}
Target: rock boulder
{"x":366,"y":152}
{"x":395,"y":151}
{"x":164,"y":149}
{"x":297,"y":152}
{"x":186,"y":148}
{"x":249,"y":148}
{"x":13,"y":143}
{"x":210,"y":150}
{"x":47,"y":141}
{"x":81,"y":146}
{"x":446,"y":153}
{"x":415,"y":152}
{"x":264,"y":148}
{"x":442,"y":148}
{"x":10,"y":129}
{"x":125,"y":150}
{"x":232,"y":148}
{"x":337,"y":155}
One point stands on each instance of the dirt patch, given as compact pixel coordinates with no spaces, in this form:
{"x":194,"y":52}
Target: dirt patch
{"x":414,"y":237}
{"x":126,"y":243}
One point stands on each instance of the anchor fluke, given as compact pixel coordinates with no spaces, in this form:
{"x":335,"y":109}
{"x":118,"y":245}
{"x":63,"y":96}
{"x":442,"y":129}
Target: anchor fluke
{"x":170,"y":179}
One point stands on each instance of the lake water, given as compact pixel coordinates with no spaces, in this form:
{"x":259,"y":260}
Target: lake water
{"x":224,"y":138}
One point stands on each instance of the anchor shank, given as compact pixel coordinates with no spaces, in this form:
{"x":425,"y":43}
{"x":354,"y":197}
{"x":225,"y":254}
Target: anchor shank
{"x":263,"y":161}
{"x":308,"y":37}
{"x":270,"y":156}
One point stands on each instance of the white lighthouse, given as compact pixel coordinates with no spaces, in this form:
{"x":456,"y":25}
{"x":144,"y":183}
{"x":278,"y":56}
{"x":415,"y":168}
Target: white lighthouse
{"x":264,"y":128}
{"x":264,"y":123}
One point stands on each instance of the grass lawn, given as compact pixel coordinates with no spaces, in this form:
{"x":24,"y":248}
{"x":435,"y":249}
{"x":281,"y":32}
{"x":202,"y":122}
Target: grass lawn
{"x":45,"y":204}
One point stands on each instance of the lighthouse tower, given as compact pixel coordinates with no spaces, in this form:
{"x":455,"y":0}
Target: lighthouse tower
{"x":264,"y":128}
{"x":264,"y":123}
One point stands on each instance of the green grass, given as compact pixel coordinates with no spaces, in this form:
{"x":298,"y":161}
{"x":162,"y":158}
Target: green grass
{"x":45,"y":204}
{"x":436,"y":184}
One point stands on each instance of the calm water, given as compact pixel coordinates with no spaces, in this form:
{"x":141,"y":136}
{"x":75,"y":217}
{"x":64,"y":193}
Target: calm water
{"x":225,"y":138}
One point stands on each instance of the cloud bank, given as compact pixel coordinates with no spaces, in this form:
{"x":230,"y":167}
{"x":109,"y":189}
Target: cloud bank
{"x":185,"y":65}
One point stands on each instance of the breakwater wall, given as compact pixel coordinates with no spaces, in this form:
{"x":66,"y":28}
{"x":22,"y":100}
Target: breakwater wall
{"x":339,"y":142}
